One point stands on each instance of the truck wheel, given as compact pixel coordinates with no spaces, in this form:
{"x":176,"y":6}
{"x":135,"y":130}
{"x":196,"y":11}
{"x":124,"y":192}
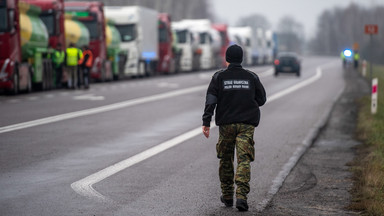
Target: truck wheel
{"x":102,"y":79}
{"x":142,"y":71}
{"x":15,"y":77}
{"x":50,"y":72}
{"x":148,"y":69}
{"x":44,"y":78}
{"x":29,"y":84}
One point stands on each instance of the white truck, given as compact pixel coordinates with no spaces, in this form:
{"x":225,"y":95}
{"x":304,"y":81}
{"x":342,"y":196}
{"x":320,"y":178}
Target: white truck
{"x":269,"y":47}
{"x":259,"y":47}
{"x":209,"y":41}
{"x":138,"y":27}
{"x":243,"y":36}
{"x":187,"y":40}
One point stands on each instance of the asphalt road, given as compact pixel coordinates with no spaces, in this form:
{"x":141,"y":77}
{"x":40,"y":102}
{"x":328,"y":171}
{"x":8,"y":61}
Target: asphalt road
{"x":135,"y":148}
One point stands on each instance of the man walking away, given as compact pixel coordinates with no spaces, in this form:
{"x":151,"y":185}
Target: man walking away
{"x":73,"y":55}
{"x":58,"y":60}
{"x":236,"y":94}
{"x":86,"y":64}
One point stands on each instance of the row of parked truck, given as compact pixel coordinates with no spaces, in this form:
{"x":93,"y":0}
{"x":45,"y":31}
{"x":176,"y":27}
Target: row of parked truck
{"x":127,"y":41}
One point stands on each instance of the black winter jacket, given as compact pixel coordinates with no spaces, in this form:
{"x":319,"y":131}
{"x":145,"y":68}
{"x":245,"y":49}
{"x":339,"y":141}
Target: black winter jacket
{"x":238,"y":94}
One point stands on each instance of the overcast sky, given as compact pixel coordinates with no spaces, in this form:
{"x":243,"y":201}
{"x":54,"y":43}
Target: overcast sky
{"x":304,"y":11}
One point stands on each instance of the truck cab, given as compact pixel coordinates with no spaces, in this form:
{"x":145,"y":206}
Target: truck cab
{"x":223,"y":31}
{"x":24,"y":48}
{"x":187,"y":41}
{"x":269,"y":47}
{"x":167,"y":56}
{"x":260,"y":46}
{"x":243,"y":37}
{"x":10,"y":47}
{"x":209,"y":41}
{"x":138,"y":27}
{"x":91,"y":14}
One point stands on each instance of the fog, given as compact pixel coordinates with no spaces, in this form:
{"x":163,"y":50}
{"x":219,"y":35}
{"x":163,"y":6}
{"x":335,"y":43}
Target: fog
{"x":304,"y":11}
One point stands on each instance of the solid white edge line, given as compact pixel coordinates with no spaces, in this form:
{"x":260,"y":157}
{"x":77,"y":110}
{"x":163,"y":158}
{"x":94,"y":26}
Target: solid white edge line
{"x":85,"y":188}
{"x":306,"y":143}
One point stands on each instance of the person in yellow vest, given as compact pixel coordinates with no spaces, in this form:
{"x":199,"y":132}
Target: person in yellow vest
{"x":342,"y":56}
{"x":58,"y":60}
{"x":85,"y":64}
{"x":356,"y":58}
{"x":72,"y":57}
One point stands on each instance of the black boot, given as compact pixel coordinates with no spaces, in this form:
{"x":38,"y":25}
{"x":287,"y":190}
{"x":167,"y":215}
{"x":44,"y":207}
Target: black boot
{"x":242,"y":205}
{"x":227,"y":202}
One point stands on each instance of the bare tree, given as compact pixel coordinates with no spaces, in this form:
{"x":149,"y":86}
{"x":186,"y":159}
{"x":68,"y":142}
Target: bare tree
{"x":255,"y":21}
{"x":340,"y":28}
{"x":290,"y":35}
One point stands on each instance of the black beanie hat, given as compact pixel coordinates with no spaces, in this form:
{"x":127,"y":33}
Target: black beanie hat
{"x":234,"y":54}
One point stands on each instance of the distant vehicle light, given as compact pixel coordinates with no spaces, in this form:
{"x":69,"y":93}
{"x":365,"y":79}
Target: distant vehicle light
{"x":347,"y":53}
{"x":277,"y":62}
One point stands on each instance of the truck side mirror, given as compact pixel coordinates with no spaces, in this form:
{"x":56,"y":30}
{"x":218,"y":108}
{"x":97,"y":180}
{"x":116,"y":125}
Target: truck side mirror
{"x":12,"y":21}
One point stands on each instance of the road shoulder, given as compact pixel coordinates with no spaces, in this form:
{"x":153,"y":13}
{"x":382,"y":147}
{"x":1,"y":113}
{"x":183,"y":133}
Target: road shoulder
{"x":320,"y":182}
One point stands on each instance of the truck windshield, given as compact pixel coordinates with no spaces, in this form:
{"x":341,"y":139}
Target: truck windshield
{"x":93,"y":28}
{"x":248,"y":42}
{"x":163,"y":34}
{"x":127,"y":32}
{"x":223,"y":37}
{"x":49,"y":21}
{"x":182,"y":36}
{"x":3,"y":19}
{"x":204,"y":38}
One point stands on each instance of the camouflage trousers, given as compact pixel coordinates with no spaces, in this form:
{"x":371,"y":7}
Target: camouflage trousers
{"x":239,"y":136}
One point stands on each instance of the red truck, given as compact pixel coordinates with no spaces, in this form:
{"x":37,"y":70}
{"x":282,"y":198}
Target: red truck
{"x":10,"y":55}
{"x":222,"y":28}
{"x":24,"y":56}
{"x":167,"y":56}
{"x":91,"y":14}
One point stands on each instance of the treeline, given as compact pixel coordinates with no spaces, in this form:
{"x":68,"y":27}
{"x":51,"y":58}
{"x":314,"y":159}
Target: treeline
{"x":340,"y":28}
{"x":178,"y":9}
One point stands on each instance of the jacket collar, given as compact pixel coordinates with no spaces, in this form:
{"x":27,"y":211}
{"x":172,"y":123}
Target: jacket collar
{"x":234,"y":65}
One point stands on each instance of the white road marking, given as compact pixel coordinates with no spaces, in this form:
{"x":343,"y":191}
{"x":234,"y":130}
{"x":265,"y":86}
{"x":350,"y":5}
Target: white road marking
{"x":167,"y":85}
{"x":266,"y":73}
{"x":96,"y":110}
{"x":305,"y":144}
{"x":297,"y":86}
{"x":101,"y":109}
{"x":49,"y":96}
{"x":14,"y":101}
{"x":90,"y":97}
{"x":33,"y":98}
{"x":84,"y":186}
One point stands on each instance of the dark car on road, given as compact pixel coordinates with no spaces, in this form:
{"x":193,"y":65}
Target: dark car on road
{"x":287,"y":62}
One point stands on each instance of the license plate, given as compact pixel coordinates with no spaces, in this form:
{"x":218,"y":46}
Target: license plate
{"x":287,"y":69}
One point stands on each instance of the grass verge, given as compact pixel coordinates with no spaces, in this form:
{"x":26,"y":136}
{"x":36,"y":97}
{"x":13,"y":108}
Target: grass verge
{"x":368,"y":167}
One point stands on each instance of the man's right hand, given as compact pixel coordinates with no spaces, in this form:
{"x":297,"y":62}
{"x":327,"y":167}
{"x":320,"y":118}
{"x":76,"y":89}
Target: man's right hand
{"x":206,"y":131}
